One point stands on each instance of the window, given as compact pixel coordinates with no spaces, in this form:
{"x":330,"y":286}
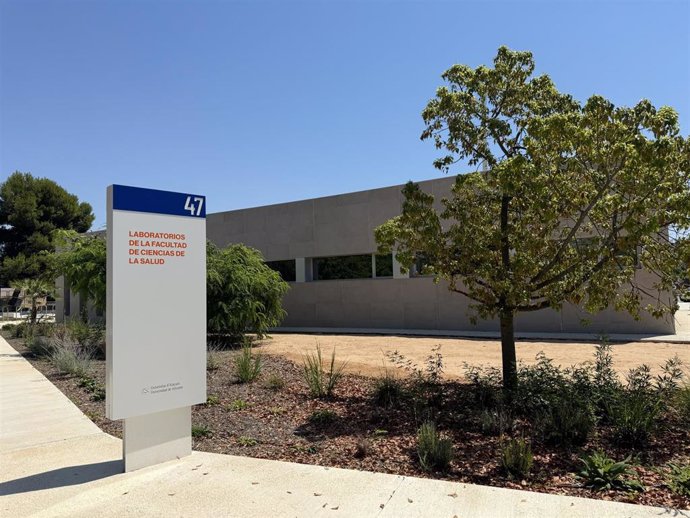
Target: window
{"x":342,"y":267}
{"x":286,"y":269}
{"x":384,"y":265}
{"x":421,"y":265}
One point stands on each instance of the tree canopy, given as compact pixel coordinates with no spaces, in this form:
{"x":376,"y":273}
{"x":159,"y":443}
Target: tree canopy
{"x":244,"y":295}
{"x":30,"y":210}
{"x":571,"y":198}
{"x":82,"y":259}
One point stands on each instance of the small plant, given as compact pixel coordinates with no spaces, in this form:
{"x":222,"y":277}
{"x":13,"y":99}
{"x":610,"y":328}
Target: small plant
{"x":496,"y":422}
{"x":566,"y":423}
{"x":200,"y":430}
{"x":212,"y":358}
{"x":379,"y":432}
{"x":388,"y":391}
{"x":238,"y":405}
{"x":517,"y":458}
{"x":247,"y":364}
{"x":91,"y":385}
{"x":600,"y":473}
{"x":323,"y":417}
{"x":322,"y":383}
{"x":39,"y":345}
{"x":71,"y":361}
{"x":244,"y":440}
{"x":275,"y":382}
{"x":362,"y":448}
{"x":634,"y":416}
{"x":276,"y":410}
{"x":681,"y":402}
{"x":212,"y":400}
{"x":679,"y":479}
{"x":435,"y":453}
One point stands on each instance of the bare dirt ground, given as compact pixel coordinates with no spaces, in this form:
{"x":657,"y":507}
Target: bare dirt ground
{"x":366,"y":355}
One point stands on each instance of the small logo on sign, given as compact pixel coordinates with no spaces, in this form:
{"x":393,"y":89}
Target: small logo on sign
{"x":144,"y":390}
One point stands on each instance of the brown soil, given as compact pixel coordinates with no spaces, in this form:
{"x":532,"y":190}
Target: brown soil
{"x":366,"y":355}
{"x":257,"y":421}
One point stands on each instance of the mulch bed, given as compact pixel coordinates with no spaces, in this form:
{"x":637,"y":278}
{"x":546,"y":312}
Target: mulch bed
{"x":255,"y":421}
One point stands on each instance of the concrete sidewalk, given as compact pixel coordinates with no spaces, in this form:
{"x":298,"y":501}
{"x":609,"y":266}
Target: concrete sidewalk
{"x":55,"y":462}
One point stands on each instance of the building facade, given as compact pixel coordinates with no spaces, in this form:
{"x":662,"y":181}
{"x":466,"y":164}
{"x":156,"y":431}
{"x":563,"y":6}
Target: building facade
{"x":325,"y":249}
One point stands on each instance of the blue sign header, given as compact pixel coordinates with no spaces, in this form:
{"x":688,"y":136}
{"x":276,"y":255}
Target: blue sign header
{"x":137,"y":199}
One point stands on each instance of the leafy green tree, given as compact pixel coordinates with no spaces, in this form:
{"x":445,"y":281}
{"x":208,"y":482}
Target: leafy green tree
{"x":30,"y":210}
{"x":34,"y":290}
{"x":81,"y":259}
{"x":243,"y":294}
{"x":570,"y":195}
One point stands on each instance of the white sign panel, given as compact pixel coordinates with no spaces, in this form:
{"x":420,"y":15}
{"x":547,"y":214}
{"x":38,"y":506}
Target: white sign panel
{"x":156,"y":306}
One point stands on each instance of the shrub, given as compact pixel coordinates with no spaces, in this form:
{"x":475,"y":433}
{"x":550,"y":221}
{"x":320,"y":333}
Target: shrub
{"x":321,"y":383}
{"x":566,"y":422}
{"x":275,"y":382}
{"x":516,"y":458}
{"x":247,"y":365}
{"x":435,"y":453}
{"x":681,"y":402}
{"x":71,"y":360}
{"x":9,"y":328}
{"x":212,"y":400}
{"x":39,"y":345}
{"x":200,"y":430}
{"x":243,"y":294}
{"x":600,"y":473}
{"x":486,"y":386}
{"x":323,"y":417}
{"x":496,"y":422}
{"x":679,"y":479}
{"x":633,"y":416}
{"x":388,"y":391}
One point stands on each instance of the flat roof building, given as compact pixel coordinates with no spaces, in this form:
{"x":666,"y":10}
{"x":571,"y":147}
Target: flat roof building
{"x":325,"y":248}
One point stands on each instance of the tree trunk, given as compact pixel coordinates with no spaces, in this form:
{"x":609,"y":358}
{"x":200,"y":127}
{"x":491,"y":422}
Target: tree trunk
{"x":34,"y":313}
{"x":508,"y":351}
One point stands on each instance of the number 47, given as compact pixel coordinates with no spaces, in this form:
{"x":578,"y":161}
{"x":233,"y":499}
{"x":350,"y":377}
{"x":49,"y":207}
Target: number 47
{"x":194,"y":207}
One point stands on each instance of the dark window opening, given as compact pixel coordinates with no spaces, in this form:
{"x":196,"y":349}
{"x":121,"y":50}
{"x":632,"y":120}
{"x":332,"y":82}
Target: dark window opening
{"x":384,"y":265}
{"x":286,"y":269}
{"x":342,"y":267}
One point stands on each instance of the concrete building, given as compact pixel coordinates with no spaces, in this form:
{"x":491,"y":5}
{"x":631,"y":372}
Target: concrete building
{"x":315,"y":243}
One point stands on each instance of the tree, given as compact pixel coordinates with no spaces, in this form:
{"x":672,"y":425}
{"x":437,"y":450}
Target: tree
{"x":243,"y":294}
{"x":569,"y":195}
{"x":30,"y":210}
{"x":81,"y":259}
{"x":34,"y":289}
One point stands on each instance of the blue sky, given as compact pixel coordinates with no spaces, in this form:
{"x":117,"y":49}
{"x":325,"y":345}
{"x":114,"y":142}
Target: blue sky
{"x":253,"y":103}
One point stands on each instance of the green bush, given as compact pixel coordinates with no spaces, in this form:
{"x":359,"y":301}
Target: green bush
{"x":679,"y":479}
{"x":243,"y":294}
{"x":39,"y":345}
{"x":275,"y":382}
{"x":323,"y":417}
{"x":634,"y":417}
{"x":600,"y":473}
{"x":247,"y":365}
{"x":435,"y":453}
{"x":566,"y":422}
{"x":212,"y":400}
{"x":681,"y":402}
{"x":91,"y":385}
{"x":321,"y":383}
{"x":486,"y":385}
{"x":516,"y":458}
{"x":388,"y":391}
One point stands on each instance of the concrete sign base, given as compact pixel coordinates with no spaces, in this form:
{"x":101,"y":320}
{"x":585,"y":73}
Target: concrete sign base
{"x":153,"y":438}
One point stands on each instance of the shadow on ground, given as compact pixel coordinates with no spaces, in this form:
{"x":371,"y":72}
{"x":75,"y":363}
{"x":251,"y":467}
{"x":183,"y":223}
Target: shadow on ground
{"x":62,"y":477}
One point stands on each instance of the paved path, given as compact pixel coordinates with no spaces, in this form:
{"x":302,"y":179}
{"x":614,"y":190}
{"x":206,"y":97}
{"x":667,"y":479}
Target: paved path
{"x":54,"y":463}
